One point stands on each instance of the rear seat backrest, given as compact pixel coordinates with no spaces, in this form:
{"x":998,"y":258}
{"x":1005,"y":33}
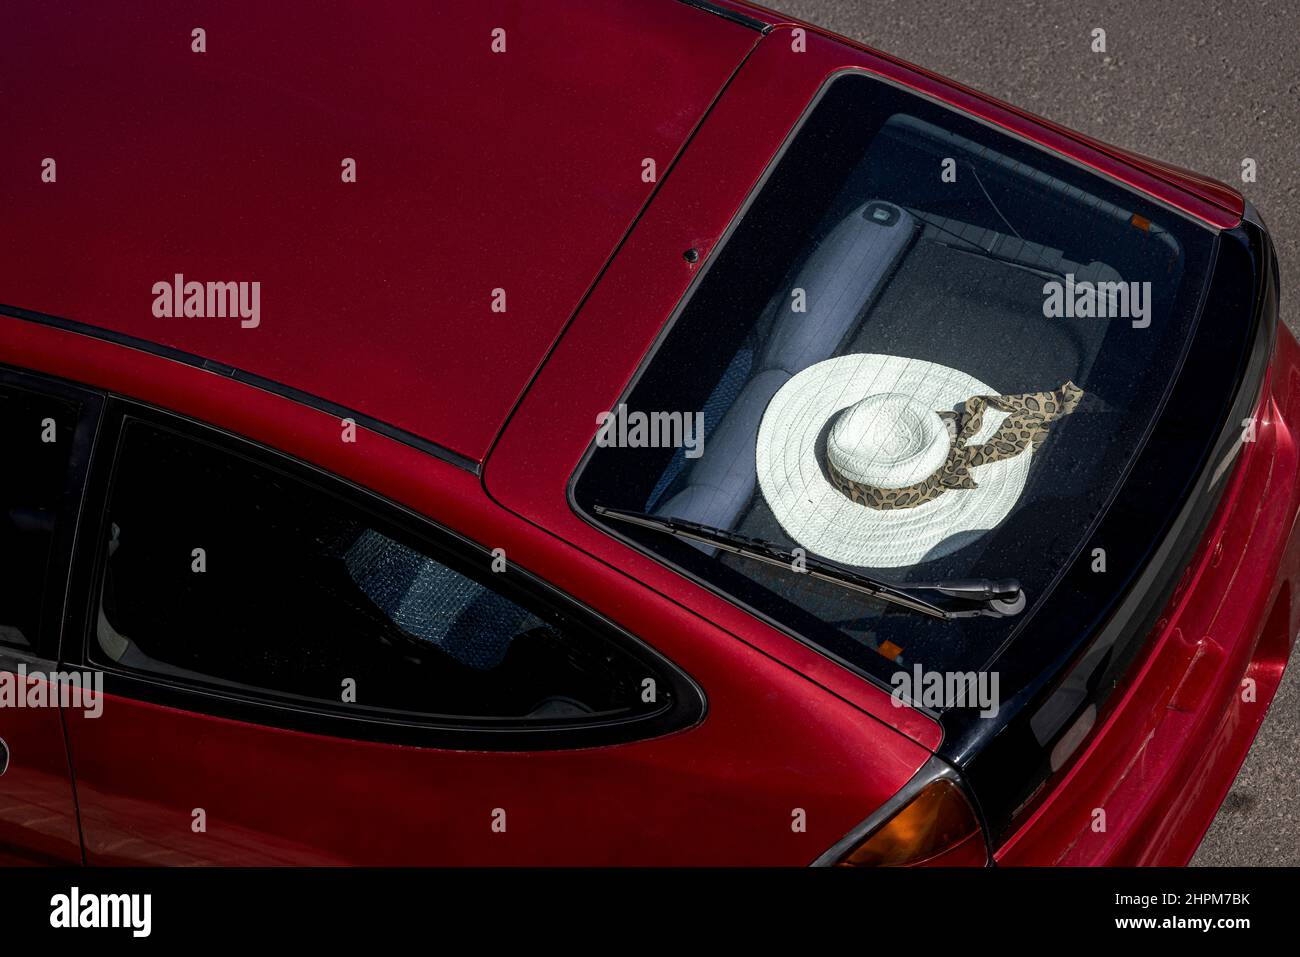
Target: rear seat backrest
{"x":841,"y":277}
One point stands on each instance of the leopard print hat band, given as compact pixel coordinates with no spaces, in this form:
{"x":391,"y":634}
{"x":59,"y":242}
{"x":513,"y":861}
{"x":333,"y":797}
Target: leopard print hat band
{"x":889,"y":433}
{"x":876,"y":419}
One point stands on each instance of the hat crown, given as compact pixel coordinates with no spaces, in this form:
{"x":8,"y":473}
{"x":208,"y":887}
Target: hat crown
{"x":888,"y":440}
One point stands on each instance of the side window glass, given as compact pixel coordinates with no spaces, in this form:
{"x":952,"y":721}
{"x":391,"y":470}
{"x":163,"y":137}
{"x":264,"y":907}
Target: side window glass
{"x":36,"y":440}
{"x":218,"y":569}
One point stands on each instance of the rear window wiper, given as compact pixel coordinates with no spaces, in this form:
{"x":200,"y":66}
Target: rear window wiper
{"x":977,"y":596}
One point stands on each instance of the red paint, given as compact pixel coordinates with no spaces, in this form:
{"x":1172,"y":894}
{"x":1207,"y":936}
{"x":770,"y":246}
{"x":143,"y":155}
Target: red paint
{"x":1162,"y":761}
{"x":475,"y":171}
{"x":771,"y":741}
{"x":646,"y":283}
{"x":377,"y":299}
{"x":38,"y":819}
{"x":706,"y":796}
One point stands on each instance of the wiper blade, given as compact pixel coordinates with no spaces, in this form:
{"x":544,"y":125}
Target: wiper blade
{"x":998,"y":598}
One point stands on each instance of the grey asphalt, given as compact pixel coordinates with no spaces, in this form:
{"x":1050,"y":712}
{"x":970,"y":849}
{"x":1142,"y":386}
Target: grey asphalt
{"x":1201,"y":85}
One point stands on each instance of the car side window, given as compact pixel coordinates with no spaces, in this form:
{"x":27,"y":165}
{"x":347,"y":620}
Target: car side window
{"x":221,"y":569}
{"x":36,"y":433}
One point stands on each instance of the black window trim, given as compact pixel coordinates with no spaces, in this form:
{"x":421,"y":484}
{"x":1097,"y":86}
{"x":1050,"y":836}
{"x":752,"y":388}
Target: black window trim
{"x":683,"y":705}
{"x":45,"y":649}
{"x":307,"y":399}
{"x":620,"y":533}
{"x":999,"y":790}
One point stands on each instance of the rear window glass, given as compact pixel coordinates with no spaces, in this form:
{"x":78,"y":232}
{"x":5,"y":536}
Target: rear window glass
{"x":927,"y":351}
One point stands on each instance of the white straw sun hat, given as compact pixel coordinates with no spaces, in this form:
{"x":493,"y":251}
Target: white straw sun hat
{"x":890,"y":437}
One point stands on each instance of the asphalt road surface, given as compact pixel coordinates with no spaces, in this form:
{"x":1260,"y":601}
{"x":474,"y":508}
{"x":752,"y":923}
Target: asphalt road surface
{"x":1201,"y":85}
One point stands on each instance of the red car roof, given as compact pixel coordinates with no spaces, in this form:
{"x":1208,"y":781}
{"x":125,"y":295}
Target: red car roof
{"x":476,"y":171}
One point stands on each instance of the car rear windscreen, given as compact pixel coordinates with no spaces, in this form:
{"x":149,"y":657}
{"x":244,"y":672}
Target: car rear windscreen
{"x":928,"y":350}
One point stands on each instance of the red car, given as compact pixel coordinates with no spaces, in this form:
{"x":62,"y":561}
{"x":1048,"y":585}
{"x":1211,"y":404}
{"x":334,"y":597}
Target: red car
{"x":654,"y":432}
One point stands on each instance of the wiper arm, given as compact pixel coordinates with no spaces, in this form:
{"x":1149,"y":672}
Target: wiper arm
{"x":996,"y":598}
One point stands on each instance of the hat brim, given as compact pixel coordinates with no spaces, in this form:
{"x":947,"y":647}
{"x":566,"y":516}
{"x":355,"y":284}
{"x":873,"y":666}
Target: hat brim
{"x":790,"y":459}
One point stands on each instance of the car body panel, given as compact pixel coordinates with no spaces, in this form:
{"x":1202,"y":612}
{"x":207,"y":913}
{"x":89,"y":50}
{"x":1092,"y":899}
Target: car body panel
{"x":476,"y":171}
{"x":786,"y":728}
{"x":547,"y":437}
{"x":1161,"y":762}
{"x":38,"y":809}
{"x":771,"y":741}
{"x":275,"y":796}
{"x":38,"y":813}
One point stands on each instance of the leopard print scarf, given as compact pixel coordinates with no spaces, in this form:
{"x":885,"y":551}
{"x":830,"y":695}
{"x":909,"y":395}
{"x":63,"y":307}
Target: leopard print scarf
{"x":1025,"y":426}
